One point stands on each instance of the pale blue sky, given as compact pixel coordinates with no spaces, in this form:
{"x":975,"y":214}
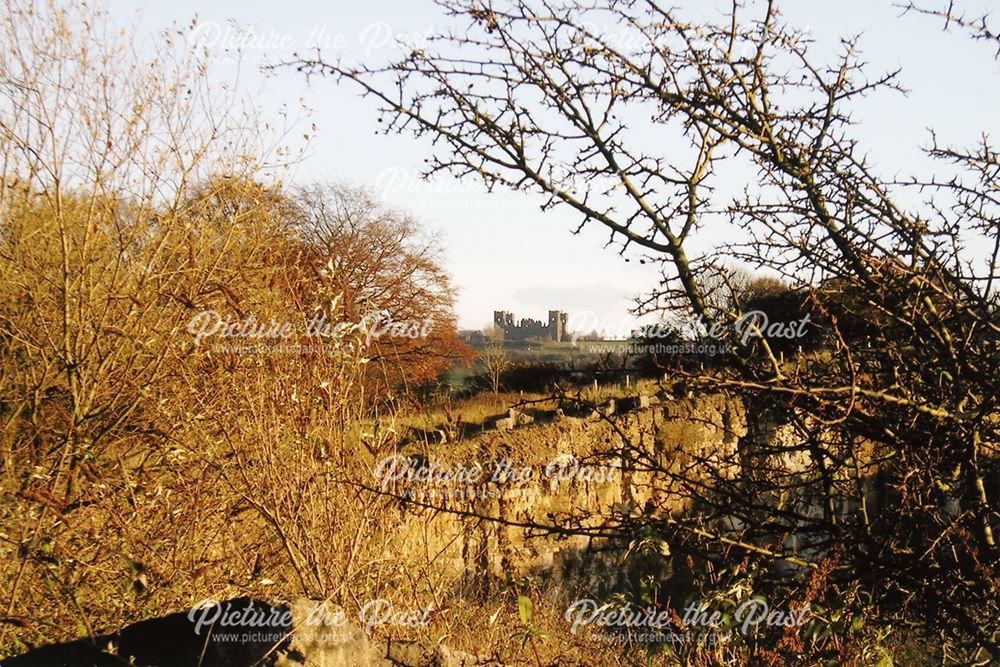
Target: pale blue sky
{"x":501,"y":250}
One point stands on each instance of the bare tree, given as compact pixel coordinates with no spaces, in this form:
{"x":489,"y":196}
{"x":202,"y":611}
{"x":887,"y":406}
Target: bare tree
{"x":494,"y":358}
{"x":134,"y":198}
{"x":531,"y":95}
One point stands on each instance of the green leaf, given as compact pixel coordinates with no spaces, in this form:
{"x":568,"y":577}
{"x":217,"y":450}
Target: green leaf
{"x":524,"y":608}
{"x":884,"y":660}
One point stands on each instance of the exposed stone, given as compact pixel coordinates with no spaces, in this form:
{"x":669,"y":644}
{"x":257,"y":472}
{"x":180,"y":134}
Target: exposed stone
{"x":505,"y":424}
{"x":513,"y":419}
{"x":319,"y":639}
{"x":520,"y":419}
{"x":415,"y":654}
{"x":567,"y":419}
{"x":687,"y":437}
{"x":646,"y":401}
{"x":604,"y":410}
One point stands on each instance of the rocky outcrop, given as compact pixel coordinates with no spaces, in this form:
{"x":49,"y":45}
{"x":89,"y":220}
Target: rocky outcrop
{"x":573,"y":472}
{"x":583,"y":473}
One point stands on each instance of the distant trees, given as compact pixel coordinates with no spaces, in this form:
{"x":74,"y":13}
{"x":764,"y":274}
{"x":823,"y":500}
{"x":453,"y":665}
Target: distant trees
{"x":531,"y":90}
{"x":391,"y":279}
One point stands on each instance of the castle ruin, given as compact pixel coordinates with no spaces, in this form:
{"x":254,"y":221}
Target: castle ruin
{"x":554,"y":330}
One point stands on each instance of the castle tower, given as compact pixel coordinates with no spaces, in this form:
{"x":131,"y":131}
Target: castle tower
{"x":503,"y":320}
{"x":557,"y":325}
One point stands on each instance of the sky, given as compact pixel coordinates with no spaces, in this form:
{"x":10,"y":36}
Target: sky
{"x":501,"y":250}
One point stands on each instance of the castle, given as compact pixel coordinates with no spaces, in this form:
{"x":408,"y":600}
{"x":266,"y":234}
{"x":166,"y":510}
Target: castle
{"x":555,"y":330}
